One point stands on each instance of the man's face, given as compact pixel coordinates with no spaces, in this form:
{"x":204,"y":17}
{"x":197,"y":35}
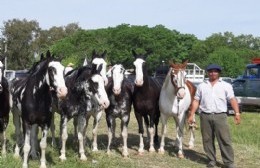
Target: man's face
{"x":213,"y":74}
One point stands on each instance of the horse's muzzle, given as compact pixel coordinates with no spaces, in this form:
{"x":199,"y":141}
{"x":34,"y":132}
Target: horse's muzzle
{"x":62,"y":92}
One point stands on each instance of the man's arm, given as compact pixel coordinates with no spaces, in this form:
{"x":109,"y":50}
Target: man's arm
{"x":234,"y":105}
{"x":194,"y":107}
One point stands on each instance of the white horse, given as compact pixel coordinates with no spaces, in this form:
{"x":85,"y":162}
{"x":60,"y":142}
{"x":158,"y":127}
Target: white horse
{"x":175,"y":100}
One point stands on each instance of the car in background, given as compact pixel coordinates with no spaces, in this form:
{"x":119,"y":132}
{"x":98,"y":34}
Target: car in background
{"x":18,"y":74}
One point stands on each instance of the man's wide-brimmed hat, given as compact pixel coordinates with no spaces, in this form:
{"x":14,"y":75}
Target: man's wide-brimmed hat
{"x":214,"y":66}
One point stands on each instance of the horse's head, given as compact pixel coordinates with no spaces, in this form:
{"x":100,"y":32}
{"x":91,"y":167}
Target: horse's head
{"x":97,"y":87}
{"x":140,"y":67}
{"x":55,"y":77}
{"x":1,"y":73}
{"x":118,"y":72}
{"x":99,"y":59}
{"x":177,"y":72}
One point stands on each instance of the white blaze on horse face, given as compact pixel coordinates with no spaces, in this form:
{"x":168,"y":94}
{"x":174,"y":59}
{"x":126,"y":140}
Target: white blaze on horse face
{"x":118,"y":77}
{"x":180,"y":80}
{"x":101,"y":94}
{"x":138,"y":63}
{"x":99,"y":61}
{"x":59,"y":81}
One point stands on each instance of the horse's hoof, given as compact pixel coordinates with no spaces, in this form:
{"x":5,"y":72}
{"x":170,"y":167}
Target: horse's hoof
{"x":43,"y":165}
{"x":94,"y":149}
{"x":151,"y":149}
{"x":125,"y":154}
{"x":83,"y":157}
{"x":181,"y":156}
{"x":16,"y":156}
{"x":25,"y":165}
{"x":63,"y":158}
{"x":161,"y":151}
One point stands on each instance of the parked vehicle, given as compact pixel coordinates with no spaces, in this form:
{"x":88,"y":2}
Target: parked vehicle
{"x":11,"y":74}
{"x":247,"y":88}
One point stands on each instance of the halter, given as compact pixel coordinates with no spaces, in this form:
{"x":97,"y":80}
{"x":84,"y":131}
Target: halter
{"x":173,"y":74}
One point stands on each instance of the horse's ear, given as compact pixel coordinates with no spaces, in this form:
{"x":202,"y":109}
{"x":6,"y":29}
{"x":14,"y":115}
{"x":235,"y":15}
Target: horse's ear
{"x":173,"y":61}
{"x":42,"y":57}
{"x":185,"y":62}
{"x":134,"y":53}
{"x":85,"y":61}
{"x":104,"y":54}
{"x":48,"y":54}
{"x":93,"y":54}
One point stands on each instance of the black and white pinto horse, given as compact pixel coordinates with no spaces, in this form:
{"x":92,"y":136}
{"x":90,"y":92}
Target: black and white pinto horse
{"x":119,"y":91}
{"x":86,"y":93}
{"x":175,"y":100}
{"x":145,"y":100}
{"x":4,"y":106}
{"x":97,"y":61}
{"x":33,"y":98}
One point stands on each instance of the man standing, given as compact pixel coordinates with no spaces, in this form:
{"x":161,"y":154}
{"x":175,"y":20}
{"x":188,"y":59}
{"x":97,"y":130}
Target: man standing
{"x":211,"y":97}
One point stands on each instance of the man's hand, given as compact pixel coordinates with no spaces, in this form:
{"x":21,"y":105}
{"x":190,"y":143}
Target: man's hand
{"x":190,"y":119}
{"x":237,"y":118}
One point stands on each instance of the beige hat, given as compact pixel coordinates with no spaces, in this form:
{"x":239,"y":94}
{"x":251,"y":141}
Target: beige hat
{"x":70,"y":64}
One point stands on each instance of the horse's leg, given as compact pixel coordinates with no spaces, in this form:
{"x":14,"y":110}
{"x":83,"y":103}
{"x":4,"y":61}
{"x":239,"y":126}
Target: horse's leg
{"x":81,"y":128}
{"x":141,"y":132}
{"x":18,"y":132}
{"x":64,"y":137}
{"x":156,"y":122}
{"x":151,"y":132}
{"x":146,"y":122}
{"x":164,"y":131}
{"x":87,"y":119}
{"x":27,"y":146}
{"x":95,"y":128}
{"x":34,"y":142}
{"x":124,"y":125}
{"x":192,"y":133}
{"x":109,"y":120}
{"x":180,"y":128}
{"x":75,"y":124}
{"x":43,"y":145}
{"x":53,"y":141}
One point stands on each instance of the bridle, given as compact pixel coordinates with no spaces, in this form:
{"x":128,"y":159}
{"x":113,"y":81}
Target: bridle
{"x":173,"y":74}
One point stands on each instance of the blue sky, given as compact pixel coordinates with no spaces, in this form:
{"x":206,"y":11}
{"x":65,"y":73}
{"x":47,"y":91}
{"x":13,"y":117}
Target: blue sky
{"x":199,"y":17}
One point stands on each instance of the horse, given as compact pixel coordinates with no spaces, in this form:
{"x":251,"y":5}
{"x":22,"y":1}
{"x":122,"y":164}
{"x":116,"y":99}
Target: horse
{"x":86,"y":94}
{"x":145,"y":101}
{"x":4,"y":107}
{"x":34,"y":100}
{"x":119,"y":92}
{"x":97,"y":60}
{"x":175,"y":100}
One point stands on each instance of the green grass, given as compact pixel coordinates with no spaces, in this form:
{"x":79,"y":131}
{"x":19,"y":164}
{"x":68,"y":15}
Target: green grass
{"x":246,"y":139}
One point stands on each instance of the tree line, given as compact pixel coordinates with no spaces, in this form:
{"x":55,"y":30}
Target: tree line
{"x":25,"y":41}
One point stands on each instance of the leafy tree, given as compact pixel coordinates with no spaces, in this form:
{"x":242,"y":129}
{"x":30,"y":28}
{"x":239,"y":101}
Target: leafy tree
{"x":19,"y":35}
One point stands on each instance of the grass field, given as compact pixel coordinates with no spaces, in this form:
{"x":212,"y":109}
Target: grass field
{"x":246,"y":143}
